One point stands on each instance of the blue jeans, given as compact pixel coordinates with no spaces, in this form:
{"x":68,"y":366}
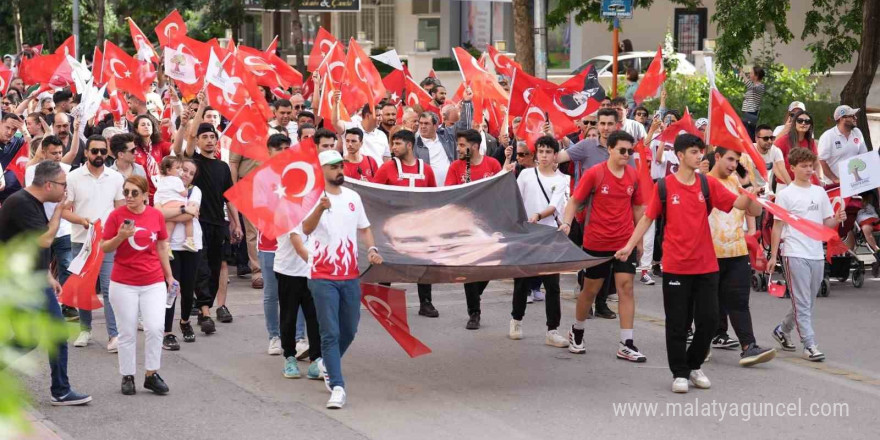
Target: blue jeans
{"x":338,"y":304}
{"x":270,"y":299}
{"x":57,"y":363}
{"x":63,"y":255}
{"x":85,"y":316}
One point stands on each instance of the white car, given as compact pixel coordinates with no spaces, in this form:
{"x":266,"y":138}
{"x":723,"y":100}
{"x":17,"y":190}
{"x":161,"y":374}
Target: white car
{"x":639,"y":60}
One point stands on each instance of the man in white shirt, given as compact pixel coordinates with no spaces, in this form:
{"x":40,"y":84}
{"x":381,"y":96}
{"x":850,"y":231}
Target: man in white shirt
{"x":771,"y":154}
{"x":634,"y":128}
{"x":431,"y":148}
{"x":840,"y":142}
{"x":95,"y":191}
{"x":284,"y":122}
{"x":375,"y":142}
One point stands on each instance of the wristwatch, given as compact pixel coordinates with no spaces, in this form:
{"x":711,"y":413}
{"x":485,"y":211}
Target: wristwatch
{"x":182,"y":209}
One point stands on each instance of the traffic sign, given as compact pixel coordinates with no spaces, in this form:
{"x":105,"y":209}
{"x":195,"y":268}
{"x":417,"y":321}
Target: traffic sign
{"x":617,"y":8}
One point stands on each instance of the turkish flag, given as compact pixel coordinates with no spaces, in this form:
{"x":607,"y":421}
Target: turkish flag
{"x":686,"y":123}
{"x":532,"y":125}
{"x":395,"y":83}
{"x":432,"y":73}
{"x":68,"y":47}
{"x":325,"y":105}
{"x":79,"y":289}
{"x":363,"y":74}
{"x":256,"y":99}
{"x":37,"y":49}
{"x":196,"y":51}
{"x":5,"y":78}
{"x":248,"y":134}
{"x":268,"y":70}
{"x":19,"y":162}
{"x":646,"y":184}
{"x":388,"y":306}
{"x":143,"y":48}
{"x":323,"y":44}
{"x":503,"y":64}
{"x":272,"y":47}
{"x":727,"y":130}
{"x":522,"y":85}
{"x":124,"y":69}
{"x":98,"y":66}
{"x":333,"y":65}
{"x":170,"y":28}
{"x":278,"y":195}
{"x":117,"y":103}
{"x":416,"y":95}
{"x":654,"y":77}
{"x":46,"y":70}
{"x":561,"y":122}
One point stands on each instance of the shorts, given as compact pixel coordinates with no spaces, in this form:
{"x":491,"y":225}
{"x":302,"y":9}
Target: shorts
{"x":612,"y":266}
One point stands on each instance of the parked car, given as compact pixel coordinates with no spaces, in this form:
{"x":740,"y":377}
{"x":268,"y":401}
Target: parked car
{"x":638,"y":60}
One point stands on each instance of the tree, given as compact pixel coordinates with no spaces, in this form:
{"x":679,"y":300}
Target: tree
{"x":297,"y":35}
{"x":856,"y":165}
{"x":100,"y":10}
{"x":591,"y":10}
{"x":523,"y":36}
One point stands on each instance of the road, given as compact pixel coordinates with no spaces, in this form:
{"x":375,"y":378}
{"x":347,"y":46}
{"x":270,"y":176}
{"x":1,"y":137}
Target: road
{"x":480,"y":384}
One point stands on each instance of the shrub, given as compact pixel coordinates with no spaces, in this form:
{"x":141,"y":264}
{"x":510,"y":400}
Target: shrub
{"x":444,"y":64}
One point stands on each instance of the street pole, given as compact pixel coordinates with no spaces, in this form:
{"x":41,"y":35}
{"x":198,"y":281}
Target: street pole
{"x":614,"y":51}
{"x":75,"y":28}
{"x":540,"y":40}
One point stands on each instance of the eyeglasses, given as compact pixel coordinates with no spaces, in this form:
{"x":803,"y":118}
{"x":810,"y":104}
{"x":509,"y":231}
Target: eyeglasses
{"x":131,"y":192}
{"x":767,"y":138}
{"x":98,"y":151}
{"x":298,"y":107}
{"x":586,"y":122}
{"x":6,"y":103}
{"x":131,"y":150}
{"x":63,"y":184}
{"x":627,"y":151}
{"x":804,"y":121}
{"x":641,"y":114}
{"x":518,"y":154}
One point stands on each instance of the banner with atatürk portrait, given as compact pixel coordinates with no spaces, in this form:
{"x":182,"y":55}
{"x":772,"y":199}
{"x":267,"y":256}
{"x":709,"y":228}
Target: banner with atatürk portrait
{"x":472,"y":232}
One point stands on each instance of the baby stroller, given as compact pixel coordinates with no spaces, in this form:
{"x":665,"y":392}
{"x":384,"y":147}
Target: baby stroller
{"x":759,"y":254}
{"x":841,"y":265}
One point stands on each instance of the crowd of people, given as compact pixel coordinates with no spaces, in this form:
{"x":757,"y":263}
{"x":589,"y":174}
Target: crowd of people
{"x":156,"y":183}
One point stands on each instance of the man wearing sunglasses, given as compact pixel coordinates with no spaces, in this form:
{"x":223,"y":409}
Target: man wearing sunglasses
{"x":771,"y":154}
{"x":840,"y":142}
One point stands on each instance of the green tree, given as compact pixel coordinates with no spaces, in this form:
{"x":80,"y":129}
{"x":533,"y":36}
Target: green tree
{"x":591,"y":10}
{"x":855,"y":166}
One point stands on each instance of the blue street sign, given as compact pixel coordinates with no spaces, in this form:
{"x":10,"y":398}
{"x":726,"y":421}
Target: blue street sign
{"x":617,"y":8}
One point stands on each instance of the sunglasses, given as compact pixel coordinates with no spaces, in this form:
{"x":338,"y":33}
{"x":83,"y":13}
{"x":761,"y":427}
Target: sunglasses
{"x":98,"y":151}
{"x":627,"y":151}
{"x":805,"y":121}
{"x":767,"y":138}
{"x":298,"y":107}
{"x":641,"y":114}
{"x":131,"y":150}
{"x":6,"y":103}
{"x":590,"y":122}
{"x":521,"y":154}
{"x":131,"y":192}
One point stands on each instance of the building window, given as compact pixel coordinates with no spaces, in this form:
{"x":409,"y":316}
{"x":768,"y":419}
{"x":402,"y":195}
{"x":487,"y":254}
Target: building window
{"x":690,"y":30}
{"x":348,"y":26}
{"x":386,"y":26}
{"x":425,"y":7}
{"x":429,"y":32}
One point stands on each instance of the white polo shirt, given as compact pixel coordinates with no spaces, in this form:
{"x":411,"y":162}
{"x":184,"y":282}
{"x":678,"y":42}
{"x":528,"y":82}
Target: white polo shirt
{"x":64,"y":225}
{"x":834,"y":146}
{"x":92,"y":197}
{"x":375,"y":142}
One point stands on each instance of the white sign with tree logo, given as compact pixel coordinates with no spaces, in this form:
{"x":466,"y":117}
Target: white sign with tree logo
{"x":859,"y":174}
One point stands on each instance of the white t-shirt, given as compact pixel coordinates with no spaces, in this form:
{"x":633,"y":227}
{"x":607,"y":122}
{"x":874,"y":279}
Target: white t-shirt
{"x":287,"y":261}
{"x":168,"y":190}
{"x":810,"y":204}
{"x":64,"y":225}
{"x":668,"y":160}
{"x":178,"y":235}
{"x":93,"y":197}
{"x":635,"y":129}
{"x":555,"y":187}
{"x":375,"y":142}
{"x":333,"y":244}
{"x":835,"y":147}
{"x":438,"y":158}
{"x":774,"y":154}
{"x":778,"y":130}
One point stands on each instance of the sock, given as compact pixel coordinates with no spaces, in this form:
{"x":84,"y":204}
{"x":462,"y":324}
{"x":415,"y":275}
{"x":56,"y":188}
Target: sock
{"x":644,"y":272}
{"x":578,"y":325}
{"x":626,"y":334}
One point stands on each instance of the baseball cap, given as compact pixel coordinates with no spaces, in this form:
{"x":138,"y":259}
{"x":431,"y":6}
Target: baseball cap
{"x":702,"y":122}
{"x":844,"y":110}
{"x":205,"y":127}
{"x":329,"y":157}
{"x":797,"y":104}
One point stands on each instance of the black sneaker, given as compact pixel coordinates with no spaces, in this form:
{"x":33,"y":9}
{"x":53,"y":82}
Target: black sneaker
{"x":207,"y":325}
{"x":223,"y":315}
{"x":474,"y":322}
{"x":155,"y":384}
{"x":753,"y":354}
{"x":128,"y":385}
{"x":188,"y":334}
{"x":70,"y":314}
{"x":603,"y":311}
{"x":72,"y":398}
{"x":783,"y":339}
{"x":657,"y":271}
{"x":169,"y":342}
{"x":724,"y":341}
{"x":690,"y":336}
{"x":427,"y":309}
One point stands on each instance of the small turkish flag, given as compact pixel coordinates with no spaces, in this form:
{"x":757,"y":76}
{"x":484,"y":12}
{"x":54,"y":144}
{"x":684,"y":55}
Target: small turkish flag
{"x":522,"y":85}
{"x":416,"y":95}
{"x":98,"y":67}
{"x":363,"y":74}
{"x":272,"y":47}
{"x":503,"y":64}
{"x":5,"y":79}
{"x":322,"y":46}
{"x":686,"y":123}
{"x":727,"y":130}
{"x":388,"y":306}
{"x":646,"y":184}
{"x":653,"y":79}
{"x":248,"y":134}
{"x":278,"y":195}
{"x":124,"y":69}
{"x":79,"y":289}
{"x":395,"y":83}
{"x":68,"y":47}
{"x":142,"y":45}
{"x":532,"y":125}
{"x":19,"y":162}
{"x":325,"y":105}
{"x":170,"y":28}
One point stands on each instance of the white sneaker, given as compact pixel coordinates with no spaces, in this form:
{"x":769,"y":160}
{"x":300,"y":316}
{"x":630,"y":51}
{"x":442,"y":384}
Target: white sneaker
{"x":113,"y":345}
{"x":700,"y":380}
{"x":573,"y":346}
{"x":530,"y":299}
{"x":515,"y":330}
{"x":537,"y":295}
{"x":326,"y":376}
{"x":83,"y":339}
{"x":302,"y":349}
{"x":140,"y":324}
{"x":812,"y":353}
{"x":613,"y":298}
{"x":555,"y":339}
{"x":627,"y":351}
{"x":275,"y":346}
{"x":680,"y":385}
{"x":337,"y":398}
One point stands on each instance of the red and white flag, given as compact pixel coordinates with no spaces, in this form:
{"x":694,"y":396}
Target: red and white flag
{"x":19,"y":162}
{"x":727,"y":130}
{"x":503,"y":64}
{"x":68,"y":47}
{"x":79,"y":289}
{"x":653,"y":79}
{"x":248,"y":134}
{"x":144,"y":51}
{"x":363,"y":74}
{"x":686,"y":123}
{"x":170,"y":28}
{"x":323,"y":44}
{"x":124,"y":69}
{"x":388,"y":306}
{"x":5,"y":79}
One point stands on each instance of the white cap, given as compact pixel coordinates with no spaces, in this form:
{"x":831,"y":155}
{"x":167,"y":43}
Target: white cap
{"x":844,"y":110}
{"x":329,"y":157}
{"x":702,"y":122}
{"x":797,"y":104}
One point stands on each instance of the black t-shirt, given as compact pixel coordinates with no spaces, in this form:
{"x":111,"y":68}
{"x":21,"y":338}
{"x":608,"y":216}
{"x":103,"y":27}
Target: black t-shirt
{"x":213,"y":178}
{"x":22,"y":213}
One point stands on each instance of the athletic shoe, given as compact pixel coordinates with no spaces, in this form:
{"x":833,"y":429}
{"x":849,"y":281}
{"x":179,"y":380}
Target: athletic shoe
{"x":812,"y":353}
{"x":474,"y":321}
{"x":576,"y":341}
{"x":207,"y":325}
{"x":83,"y":339}
{"x":680,"y":385}
{"x":291,"y":370}
{"x":155,"y":384}
{"x":515,"y":330}
{"x":70,"y":313}
{"x":646,"y":279}
{"x":275,"y":346}
{"x":753,"y":355}
{"x":700,"y":380}
{"x":337,"y":398}
{"x":140,"y":323}
{"x":427,"y":309}
{"x":613,"y":298}
{"x":314,"y":373}
{"x":690,"y":337}
{"x":72,"y":398}
{"x":323,"y":370}
{"x":604,"y":312}
{"x":169,"y":342}
{"x":783,"y":339}
{"x":113,"y":345}
{"x":627,"y":351}
{"x":128,"y":387}
{"x":188,"y":334}
{"x":537,"y":295}
{"x":724,"y":341}
{"x":657,"y":271}
{"x":190,"y":244}
{"x":530,"y":299}
{"x":223,"y":315}
{"x":554,"y":339}
{"x":302,"y":349}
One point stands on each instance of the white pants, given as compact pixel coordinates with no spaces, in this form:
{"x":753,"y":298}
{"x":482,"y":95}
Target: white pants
{"x":648,"y":248}
{"x":150,"y":301}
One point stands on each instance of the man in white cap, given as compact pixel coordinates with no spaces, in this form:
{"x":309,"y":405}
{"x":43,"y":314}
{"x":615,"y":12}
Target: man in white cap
{"x":782,"y":130}
{"x":840,"y":142}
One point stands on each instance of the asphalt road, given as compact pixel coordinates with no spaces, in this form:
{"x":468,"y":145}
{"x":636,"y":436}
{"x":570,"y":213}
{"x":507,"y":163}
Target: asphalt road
{"x":480,"y":384}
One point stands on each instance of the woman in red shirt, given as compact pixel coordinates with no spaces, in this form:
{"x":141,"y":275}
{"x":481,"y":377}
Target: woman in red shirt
{"x":800,"y":135}
{"x":137,"y":233}
{"x":150,"y":149}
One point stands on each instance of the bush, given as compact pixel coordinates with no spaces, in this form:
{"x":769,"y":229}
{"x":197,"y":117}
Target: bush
{"x":444,"y":64}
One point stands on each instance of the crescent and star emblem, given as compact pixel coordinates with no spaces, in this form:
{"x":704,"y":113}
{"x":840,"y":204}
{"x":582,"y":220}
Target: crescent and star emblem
{"x":133,"y":243}
{"x":113,"y":69}
{"x":305,"y":167}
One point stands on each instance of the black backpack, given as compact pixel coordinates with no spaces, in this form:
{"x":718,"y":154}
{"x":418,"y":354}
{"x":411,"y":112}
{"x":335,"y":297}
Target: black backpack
{"x":704,"y":186}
